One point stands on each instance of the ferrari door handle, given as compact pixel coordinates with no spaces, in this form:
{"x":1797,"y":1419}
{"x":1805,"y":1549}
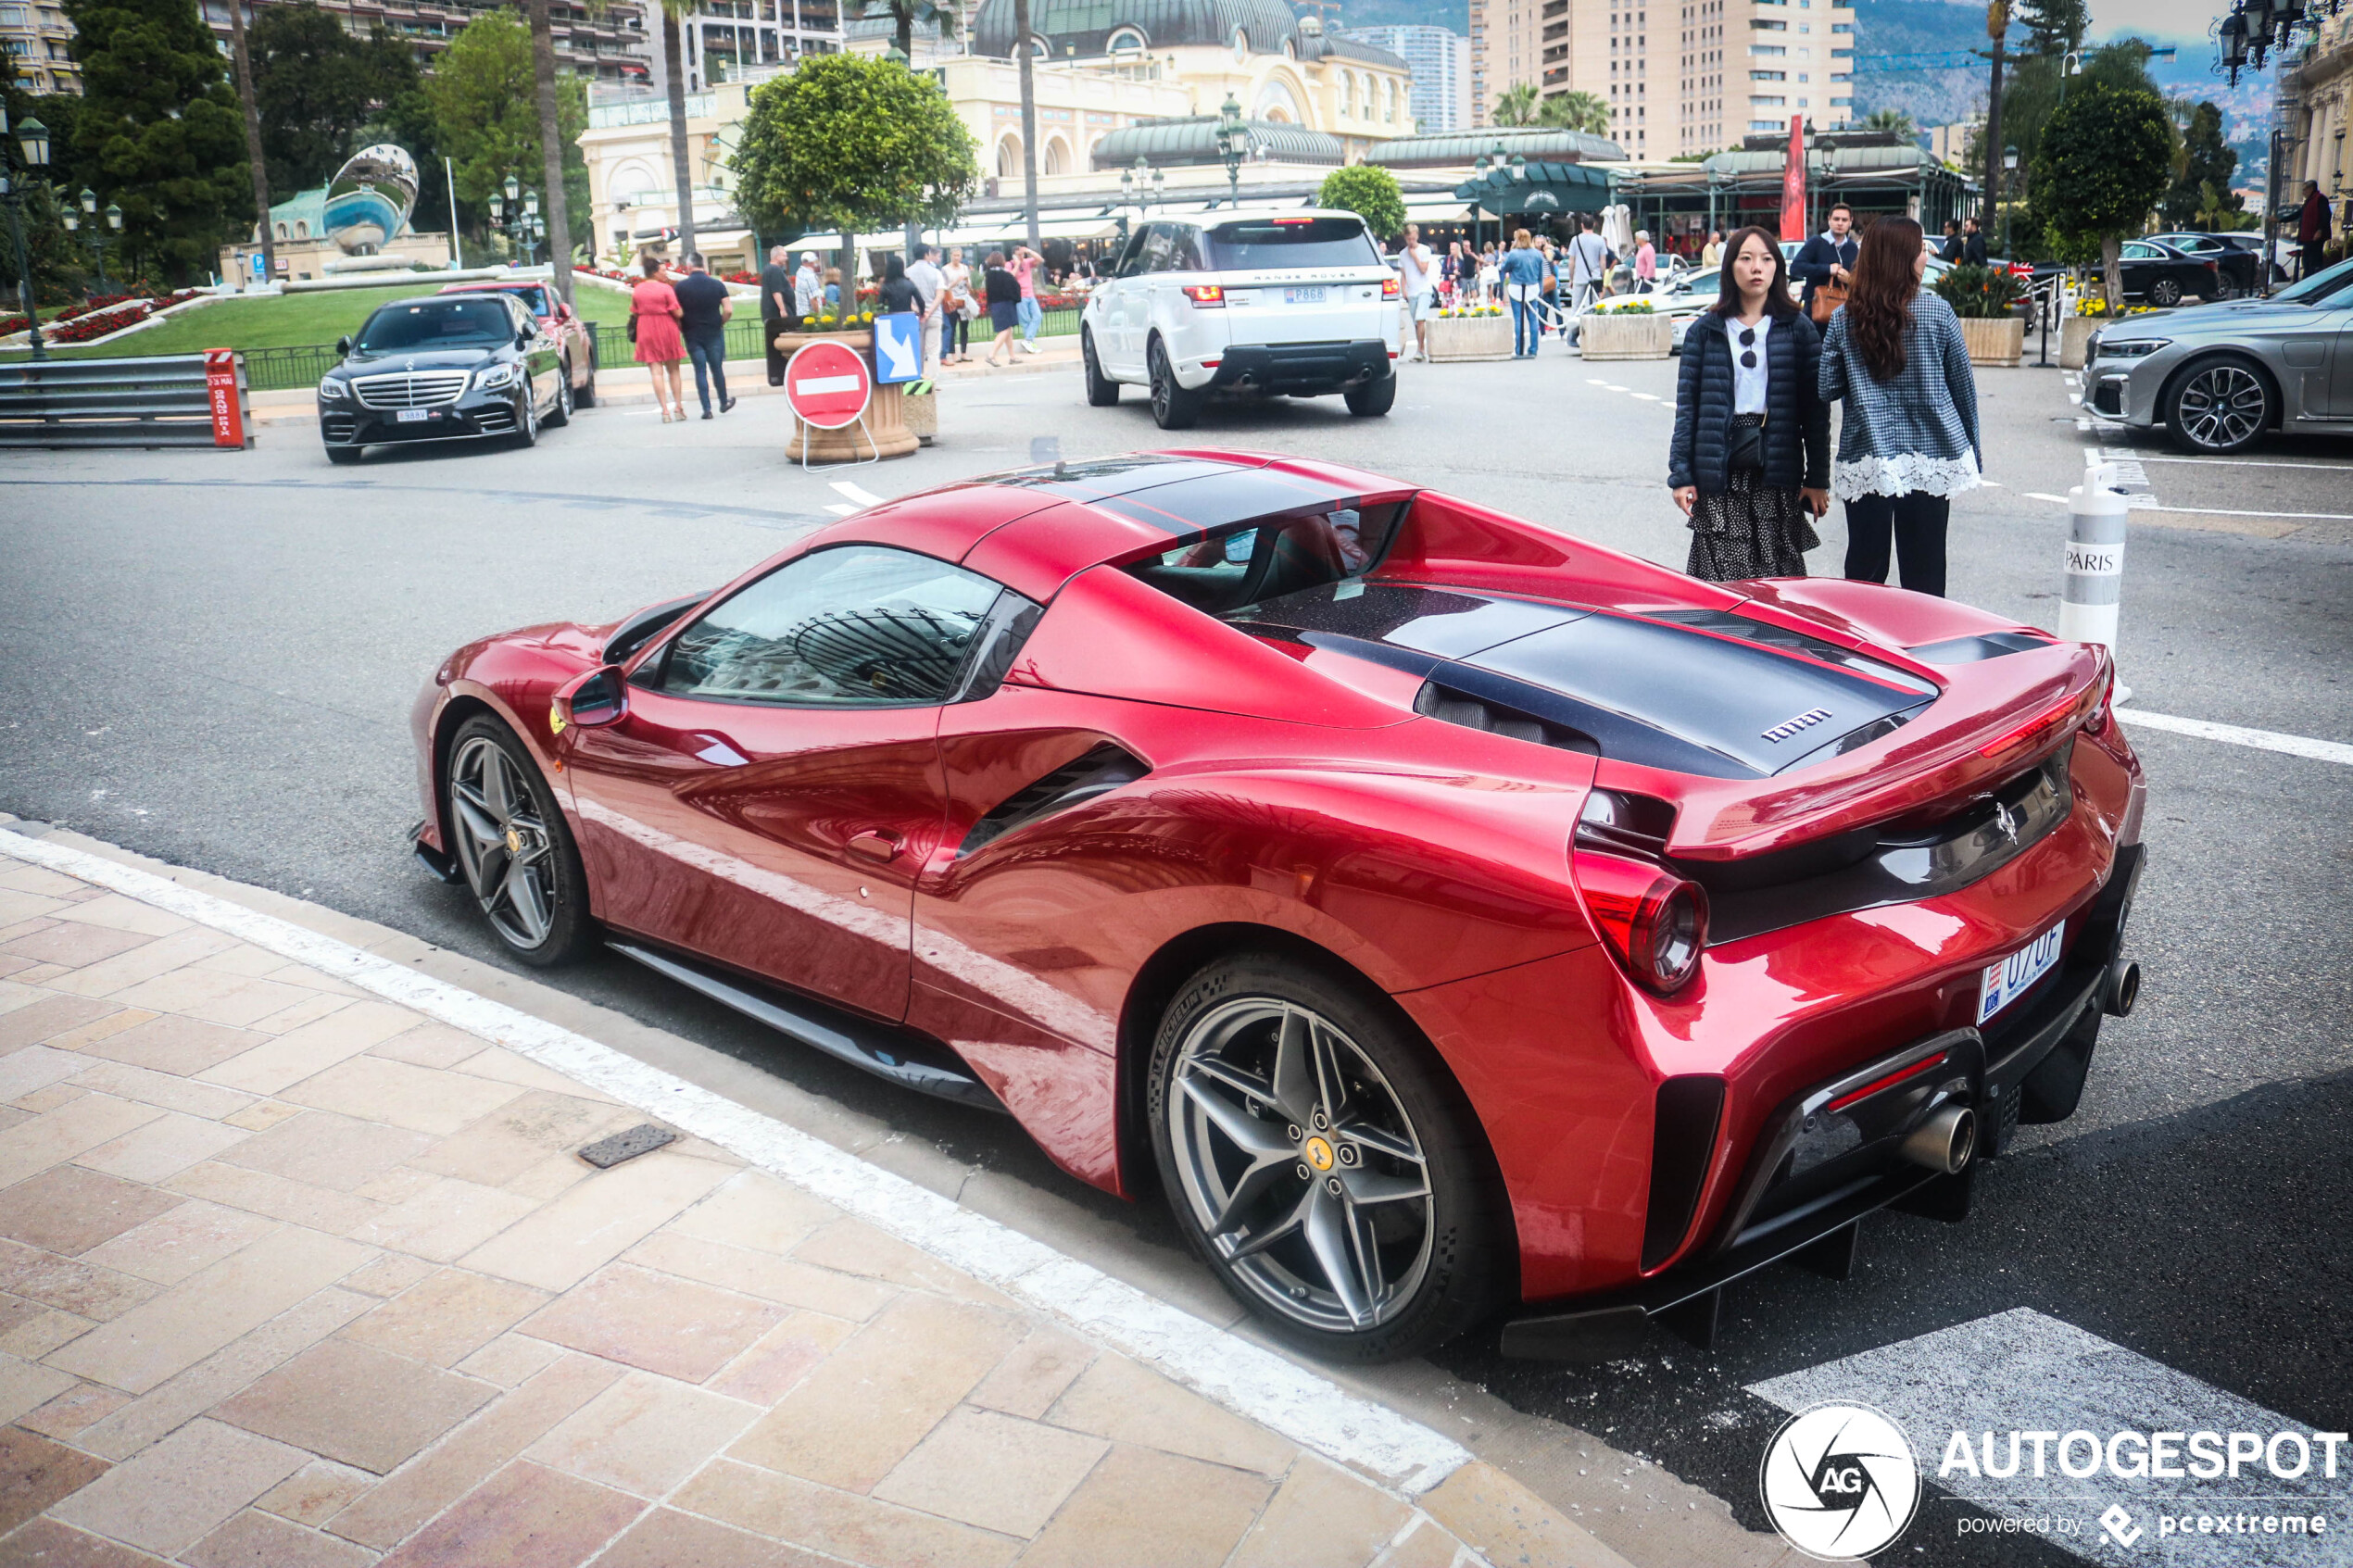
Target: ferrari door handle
{"x":876,"y":845}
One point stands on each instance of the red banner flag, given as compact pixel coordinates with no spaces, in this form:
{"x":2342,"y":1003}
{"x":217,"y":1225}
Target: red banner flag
{"x":1794,"y":181}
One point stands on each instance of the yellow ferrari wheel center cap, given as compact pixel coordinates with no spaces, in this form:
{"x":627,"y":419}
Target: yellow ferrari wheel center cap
{"x":1319,"y":1154}
{"x":514,"y":842}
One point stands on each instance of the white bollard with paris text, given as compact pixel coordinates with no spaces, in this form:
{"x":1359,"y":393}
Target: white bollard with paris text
{"x":2095,"y":560}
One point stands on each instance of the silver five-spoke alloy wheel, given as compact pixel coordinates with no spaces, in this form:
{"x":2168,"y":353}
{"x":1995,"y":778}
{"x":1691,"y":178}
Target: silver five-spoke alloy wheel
{"x":1300,"y":1164}
{"x":2222,"y":407}
{"x":503,"y":845}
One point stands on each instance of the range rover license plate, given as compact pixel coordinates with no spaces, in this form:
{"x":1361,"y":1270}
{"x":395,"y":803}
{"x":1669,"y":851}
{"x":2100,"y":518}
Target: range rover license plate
{"x":1313,"y":295}
{"x":2006,"y":982}
{"x":412,"y":415}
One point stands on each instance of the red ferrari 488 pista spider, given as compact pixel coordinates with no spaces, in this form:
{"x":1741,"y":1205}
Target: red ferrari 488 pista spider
{"x":1444,"y":913}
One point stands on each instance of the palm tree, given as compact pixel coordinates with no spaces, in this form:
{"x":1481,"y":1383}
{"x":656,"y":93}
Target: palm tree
{"x":674,"y":70}
{"x":551,"y":147}
{"x":1899,"y":121}
{"x":253,"y":138}
{"x":947,"y":15}
{"x":1023,"y":53}
{"x":1518,"y":106}
{"x":1575,"y":111}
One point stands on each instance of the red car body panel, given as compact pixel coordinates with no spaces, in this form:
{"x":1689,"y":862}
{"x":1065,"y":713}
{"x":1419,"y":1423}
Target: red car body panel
{"x":1294,"y":795}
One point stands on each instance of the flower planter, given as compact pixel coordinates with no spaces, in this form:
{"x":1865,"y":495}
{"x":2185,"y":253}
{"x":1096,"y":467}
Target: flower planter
{"x":1994,"y":340}
{"x":2075,"y":336}
{"x":1619,"y":334}
{"x":885,"y":431}
{"x":1471,"y":337}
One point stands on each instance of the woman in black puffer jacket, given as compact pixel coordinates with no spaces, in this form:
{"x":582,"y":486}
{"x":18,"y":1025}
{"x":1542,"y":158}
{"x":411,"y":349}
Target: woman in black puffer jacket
{"x":1751,"y":455}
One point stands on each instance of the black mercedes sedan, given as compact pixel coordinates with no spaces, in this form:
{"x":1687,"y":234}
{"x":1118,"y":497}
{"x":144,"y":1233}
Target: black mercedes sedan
{"x":2164,"y":276}
{"x":2241,"y":265}
{"x":445,"y":367}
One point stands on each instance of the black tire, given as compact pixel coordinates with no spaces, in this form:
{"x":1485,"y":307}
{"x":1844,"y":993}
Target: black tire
{"x":482,"y":856}
{"x":1173,"y":407}
{"x":562,"y":416}
{"x":2221,"y":404}
{"x":1372,"y":397}
{"x":1102,"y":390}
{"x":2165,"y":294}
{"x":526,"y":433}
{"x":342,"y":456}
{"x":1447,"y":1243}
{"x":2225,"y":288}
{"x":584,"y":397}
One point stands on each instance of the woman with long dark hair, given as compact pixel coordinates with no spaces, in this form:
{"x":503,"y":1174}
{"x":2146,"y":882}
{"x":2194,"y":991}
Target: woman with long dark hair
{"x":1751,"y":455}
{"x":1908,"y":442}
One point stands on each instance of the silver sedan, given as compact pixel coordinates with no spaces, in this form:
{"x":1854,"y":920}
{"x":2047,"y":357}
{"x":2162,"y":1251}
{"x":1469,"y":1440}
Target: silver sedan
{"x":2219,"y":377}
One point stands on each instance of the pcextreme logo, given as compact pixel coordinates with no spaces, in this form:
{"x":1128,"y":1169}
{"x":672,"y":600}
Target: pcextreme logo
{"x":1838,"y":1481}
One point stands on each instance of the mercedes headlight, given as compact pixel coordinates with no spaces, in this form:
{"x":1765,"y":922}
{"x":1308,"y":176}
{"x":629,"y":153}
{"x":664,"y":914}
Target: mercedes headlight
{"x":2132,"y":348}
{"x":494,"y":377}
{"x":333,"y":391}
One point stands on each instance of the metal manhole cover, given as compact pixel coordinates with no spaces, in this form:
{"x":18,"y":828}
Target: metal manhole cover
{"x":643,"y":1138}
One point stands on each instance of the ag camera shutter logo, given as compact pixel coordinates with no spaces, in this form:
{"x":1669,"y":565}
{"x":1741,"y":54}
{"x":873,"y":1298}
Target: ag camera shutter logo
{"x":1840,"y":1481}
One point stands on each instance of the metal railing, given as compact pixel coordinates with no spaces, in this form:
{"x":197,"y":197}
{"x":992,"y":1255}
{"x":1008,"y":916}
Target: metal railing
{"x":164,"y":400}
{"x":289,"y":370}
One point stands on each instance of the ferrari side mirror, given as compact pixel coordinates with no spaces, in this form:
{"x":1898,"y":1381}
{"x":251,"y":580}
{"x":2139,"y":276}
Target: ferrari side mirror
{"x":591,"y":701}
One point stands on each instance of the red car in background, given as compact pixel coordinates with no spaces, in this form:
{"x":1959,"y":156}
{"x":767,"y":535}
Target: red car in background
{"x":578,"y":343}
{"x":1444,"y":913}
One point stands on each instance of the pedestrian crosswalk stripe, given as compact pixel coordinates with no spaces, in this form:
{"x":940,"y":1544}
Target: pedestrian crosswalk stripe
{"x":859,"y":494}
{"x":2262,"y":740}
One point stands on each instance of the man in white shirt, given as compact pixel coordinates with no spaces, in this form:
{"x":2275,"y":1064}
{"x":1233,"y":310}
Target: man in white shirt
{"x":1417,"y":281}
{"x":809,"y":285}
{"x":1589,"y":264}
{"x":930,"y":284}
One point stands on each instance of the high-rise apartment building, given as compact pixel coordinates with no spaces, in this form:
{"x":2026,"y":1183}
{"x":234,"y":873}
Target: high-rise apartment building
{"x":38,"y":44}
{"x":599,"y":44}
{"x":1441,"y":58}
{"x":1724,"y":68}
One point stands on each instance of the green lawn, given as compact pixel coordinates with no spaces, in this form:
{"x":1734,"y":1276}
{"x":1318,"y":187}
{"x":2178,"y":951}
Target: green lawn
{"x":297,"y":320}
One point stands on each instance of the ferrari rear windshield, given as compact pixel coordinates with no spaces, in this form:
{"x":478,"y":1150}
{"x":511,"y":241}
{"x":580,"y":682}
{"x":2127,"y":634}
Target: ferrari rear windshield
{"x":1237,"y":567}
{"x":437,"y":323}
{"x":1253,"y":243}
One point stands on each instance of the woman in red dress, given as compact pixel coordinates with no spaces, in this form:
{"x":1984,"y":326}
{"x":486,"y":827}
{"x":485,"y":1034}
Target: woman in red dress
{"x":653,"y":305}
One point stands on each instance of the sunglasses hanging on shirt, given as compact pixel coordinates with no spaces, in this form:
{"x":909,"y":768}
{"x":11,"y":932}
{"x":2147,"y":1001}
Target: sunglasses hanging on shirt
{"x":1748,"y":343}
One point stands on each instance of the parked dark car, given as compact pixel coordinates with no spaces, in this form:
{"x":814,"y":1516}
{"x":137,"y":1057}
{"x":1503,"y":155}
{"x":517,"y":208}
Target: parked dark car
{"x":2241,"y":265}
{"x":2163,"y":276}
{"x":444,"y":367}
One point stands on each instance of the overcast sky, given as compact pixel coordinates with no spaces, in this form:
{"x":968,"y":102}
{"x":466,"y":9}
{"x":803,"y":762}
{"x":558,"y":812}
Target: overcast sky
{"x":2169,"y":19}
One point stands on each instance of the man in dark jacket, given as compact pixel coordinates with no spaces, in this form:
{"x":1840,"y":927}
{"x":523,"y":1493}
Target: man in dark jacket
{"x":776,"y":311}
{"x":1828,"y":258}
{"x":2312,"y":229}
{"x":1949,"y":248}
{"x":704,"y":303}
{"x":1973,"y":244}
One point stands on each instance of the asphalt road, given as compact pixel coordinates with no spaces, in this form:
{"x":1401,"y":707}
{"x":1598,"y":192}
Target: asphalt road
{"x":211,"y":659}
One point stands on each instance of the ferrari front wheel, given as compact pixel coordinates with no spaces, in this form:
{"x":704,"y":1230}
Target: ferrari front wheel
{"x":513,"y":846}
{"x":1319,"y":1162}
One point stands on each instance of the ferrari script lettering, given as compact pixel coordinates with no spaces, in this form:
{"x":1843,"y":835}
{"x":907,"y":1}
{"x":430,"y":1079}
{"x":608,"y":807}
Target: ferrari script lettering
{"x":1789,"y":727}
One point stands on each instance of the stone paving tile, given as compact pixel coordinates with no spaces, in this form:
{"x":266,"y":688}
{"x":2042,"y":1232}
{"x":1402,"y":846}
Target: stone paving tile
{"x":1321,"y":1517}
{"x":995,"y":1471}
{"x":429,"y":1045}
{"x":259,"y":1192}
{"x":180,"y":1489}
{"x":66,"y":1415}
{"x":438,"y":1477}
{"x":529,"y":1129}
{"x":234,"y":999}
{"x":180,"y":1047}
{"x":68,"y":1209}
{"x":667,"y":1538}
{"x":424,"y":1099}
{"x":762,"y":1274}
{"x":856,"y":1248}
{"x":26,"y":1385}
{"x":1029,"y":1380}
{"x":259,"y":1115}
{"x":119,"y":913}
{"x":389,"y":1276}
{"x":46,"y":1098}
{"x":842,"y":1523}
{"x":126,"y":969}
{"x":525,"y":1516}
{"x":246,"y":960}
{"x":1428,"y":1547}
{"x":593,"y":1223}
{"x":45,"y":1543}
{"x":508,"y":1068}
{"x":322,"y":1149}
{"x":34,"y":1068}
{"x":673,"y":1327}
{"x":445,"y":1220}
{"x":263,"y":1540}
{"x":755,"y":1210}
{"x":81,"y":1037}
{"x":57,"y":1135}
{"x":782,"y":1357}
{"x":446,"y":1317}
{"x":643,"y":1435}
{"x":138,"y":1349}
{"x":311,"y":1008}
{"x":72,"y":945}
{"x":1116,"y":1399}
{"x":191,"y":1236}
{"x":37,"y":1337}
{"x":315,"y":1493}
{"x":1507,"y":1523}
{"x":869,"y":1403}
{"x":355,"y":1404}
{"x":1145,"y":1509}
{"x":283,"y":1061}
{"x":162,"y":1149}
{"x":82,"y":1287}
{"x":48,"y":1015}
{"x":35,"y":1473}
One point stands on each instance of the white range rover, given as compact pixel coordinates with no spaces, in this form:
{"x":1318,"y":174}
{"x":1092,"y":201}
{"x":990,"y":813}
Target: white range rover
{"x":1291,"y":304}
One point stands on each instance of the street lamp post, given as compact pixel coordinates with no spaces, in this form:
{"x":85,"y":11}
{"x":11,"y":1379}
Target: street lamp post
{"x":1233,"y":146}
{"x":32,"y":143}
{"x":97,"y":238}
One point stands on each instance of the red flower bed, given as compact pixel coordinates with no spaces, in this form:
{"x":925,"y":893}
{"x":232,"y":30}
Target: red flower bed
{"x":89,"y":323}
{"x":9,"y":325}
{"x":741,"y":276}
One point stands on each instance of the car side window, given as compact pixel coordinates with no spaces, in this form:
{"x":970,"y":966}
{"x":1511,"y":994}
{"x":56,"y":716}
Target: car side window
{"x":1131,"y":259}
{"x":1183,"y":252}
{"x":1156,"y":246}
{"x":854,"y":626}
{"x":2139,"y":253}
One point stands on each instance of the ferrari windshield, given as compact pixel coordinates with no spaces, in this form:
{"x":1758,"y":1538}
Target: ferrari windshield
{"x":437,"y":323}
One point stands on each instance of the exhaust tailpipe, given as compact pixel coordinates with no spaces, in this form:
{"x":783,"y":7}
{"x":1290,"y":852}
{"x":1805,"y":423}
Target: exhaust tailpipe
{"x":2123,"y":988}
{"x":1945,"y":1142}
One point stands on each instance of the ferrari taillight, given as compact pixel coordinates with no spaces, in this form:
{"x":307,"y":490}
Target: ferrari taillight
{"x":2104,"y":710}
{"x":1654,"y":922}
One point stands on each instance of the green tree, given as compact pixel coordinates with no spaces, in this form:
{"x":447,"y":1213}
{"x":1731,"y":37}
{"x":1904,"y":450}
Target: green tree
{"x":546,"y":102}
{"x":674,"y":59}
{"x":161,"y":131}
{"x":2053,"y":26}
{"x":1369,"y":192}
{"x":945,"y":15}
{"x":2105,"y":157}
{"x":1575,"y":111}
{"x":850,"y":144}
{"x":1894,"y":121}
{"x":1516,"y":107}
{"x":59,"y":259}
{"x":2202,"y":173}
{"x":315,"y":85}
{"x":486,"y":107}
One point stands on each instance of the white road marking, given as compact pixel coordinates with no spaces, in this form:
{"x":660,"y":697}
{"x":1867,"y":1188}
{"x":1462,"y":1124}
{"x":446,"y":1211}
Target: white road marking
{"x":1993,"y":484}
{"x":1613,"y":386}
{"x":1256,"y":1382}
{"x":2262,"y":740}
{"x":1595,"y":381}
{"x":862,"y":496}
{"x":2022,"y":1371}
{"x":2114,"y":454}
{"x":1643,"y":397}
{"x":2042,"y":496}
{"x":2226,"y":511}
{"x":838,"y":510}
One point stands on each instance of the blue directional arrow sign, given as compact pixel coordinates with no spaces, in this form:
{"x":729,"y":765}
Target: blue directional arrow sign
{"x":898,"y":347}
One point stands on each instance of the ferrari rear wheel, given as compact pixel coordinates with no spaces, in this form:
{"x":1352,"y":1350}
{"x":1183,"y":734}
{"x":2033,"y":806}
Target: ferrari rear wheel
{"x":1318,"y":1161}
{"x":512,"y":842}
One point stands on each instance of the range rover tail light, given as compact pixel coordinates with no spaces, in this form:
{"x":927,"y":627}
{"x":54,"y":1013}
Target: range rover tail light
{"x":1389,"y":288}
{"x":1208,"y":296}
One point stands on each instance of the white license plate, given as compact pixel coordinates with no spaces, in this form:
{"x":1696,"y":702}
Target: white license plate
{"x":412,"y":415}
{"x":2006,"y":982}
{"x":1304,"y":296}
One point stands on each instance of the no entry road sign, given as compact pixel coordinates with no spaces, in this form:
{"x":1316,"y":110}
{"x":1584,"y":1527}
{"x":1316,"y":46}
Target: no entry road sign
{"x":827,"y":384}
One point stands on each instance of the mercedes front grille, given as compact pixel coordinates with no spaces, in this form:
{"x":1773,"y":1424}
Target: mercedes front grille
{"x":411,"y":389}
